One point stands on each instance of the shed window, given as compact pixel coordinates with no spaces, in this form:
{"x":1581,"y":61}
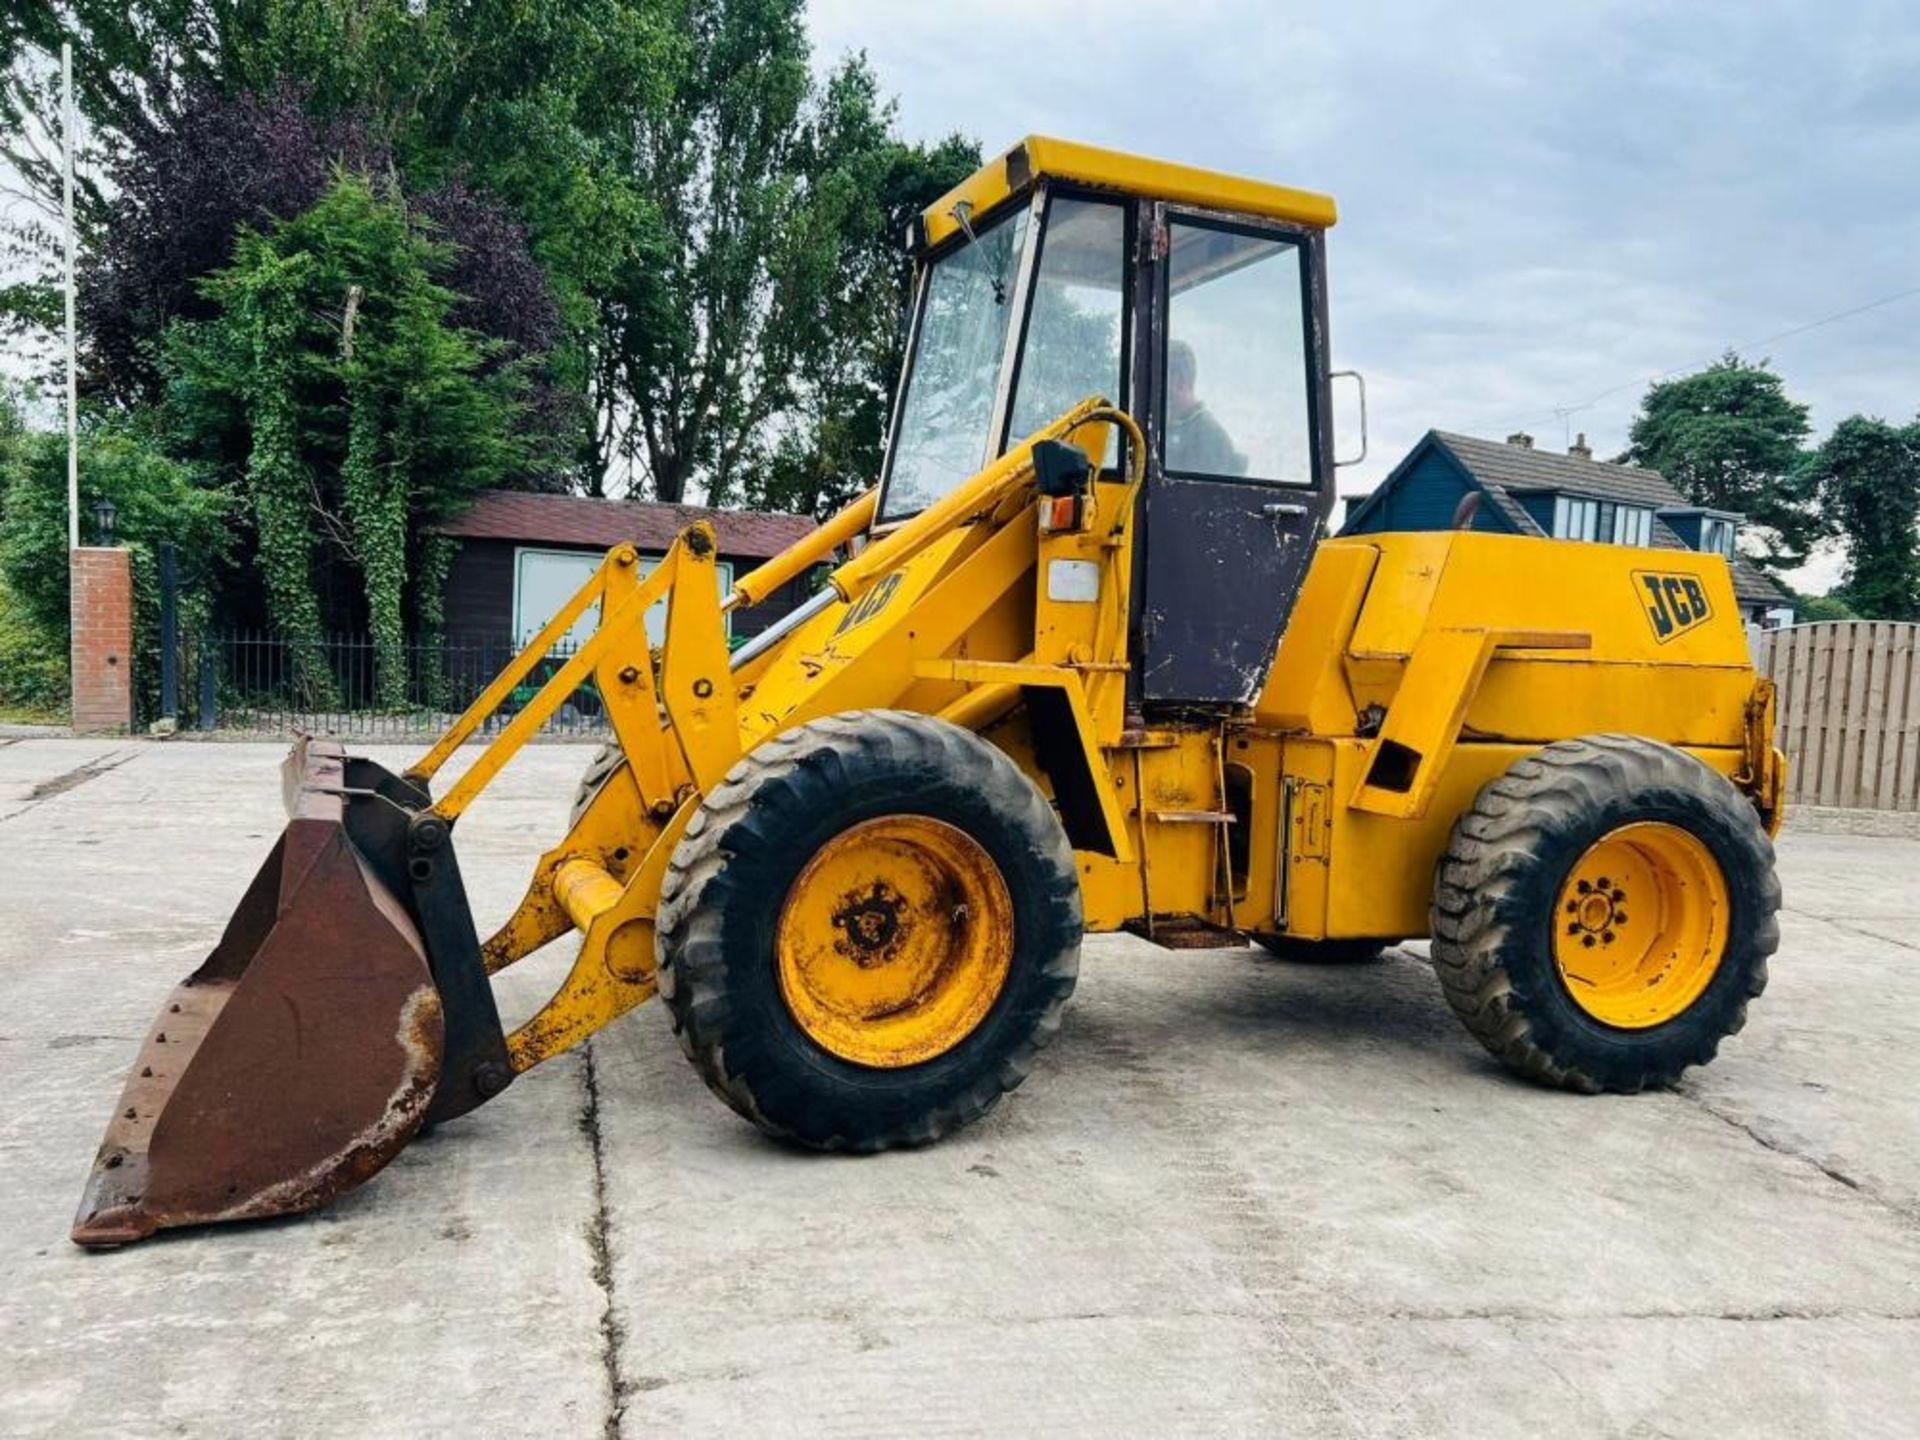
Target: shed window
{"x":544,"y":580}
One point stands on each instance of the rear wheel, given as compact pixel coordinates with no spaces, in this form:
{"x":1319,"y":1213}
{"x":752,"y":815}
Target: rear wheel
{"x":1323,"y":952}
{"x":868,"y":931}
{"x":1604,"y":913}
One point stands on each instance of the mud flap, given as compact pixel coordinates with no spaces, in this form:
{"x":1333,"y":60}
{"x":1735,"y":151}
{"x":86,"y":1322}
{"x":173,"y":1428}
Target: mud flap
{"x":308,"y":1049}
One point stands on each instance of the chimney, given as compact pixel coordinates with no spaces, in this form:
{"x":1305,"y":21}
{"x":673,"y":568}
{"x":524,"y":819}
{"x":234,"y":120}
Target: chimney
{"x":1579,"y":449}
{"x":1522,"y":439}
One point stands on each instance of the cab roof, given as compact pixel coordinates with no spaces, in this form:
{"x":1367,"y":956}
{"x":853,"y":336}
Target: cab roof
{"x":1040,"y":157}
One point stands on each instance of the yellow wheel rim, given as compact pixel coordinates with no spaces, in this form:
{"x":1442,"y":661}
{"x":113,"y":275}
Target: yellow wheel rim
{"x":1640,"y":925}
{"x":895,"y":941}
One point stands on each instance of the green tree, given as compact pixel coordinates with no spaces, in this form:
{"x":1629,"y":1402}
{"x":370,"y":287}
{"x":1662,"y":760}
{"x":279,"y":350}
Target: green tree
{"x":831,"y":443}
{"x":155,"y":498}
{"x":350,"y":410}
{"x":1823,"y":607}
{"x":531,"y":104}
{"x":1867,"y":476}
{"x":758,"y":319}
{"x":1729,"y":438}
{"x":718,"y":228}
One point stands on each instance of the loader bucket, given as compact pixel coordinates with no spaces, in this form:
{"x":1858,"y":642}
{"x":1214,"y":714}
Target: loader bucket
{"x":298,"y":1059}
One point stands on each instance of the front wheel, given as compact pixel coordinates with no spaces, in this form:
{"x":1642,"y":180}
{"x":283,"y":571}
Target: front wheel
{"x":1604,"y":912}
{"x":607,"y":759}
{"x":868,"y":931}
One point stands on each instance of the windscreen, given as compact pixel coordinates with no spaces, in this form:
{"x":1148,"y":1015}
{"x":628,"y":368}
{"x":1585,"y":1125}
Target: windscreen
{"x":947,"y":414}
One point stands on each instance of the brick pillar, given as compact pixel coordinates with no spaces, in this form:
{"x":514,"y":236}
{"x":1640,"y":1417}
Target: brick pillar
{"x":102,"y":615}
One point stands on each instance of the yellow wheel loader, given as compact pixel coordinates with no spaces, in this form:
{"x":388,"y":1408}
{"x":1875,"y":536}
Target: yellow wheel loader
{"x":1074,"y":664}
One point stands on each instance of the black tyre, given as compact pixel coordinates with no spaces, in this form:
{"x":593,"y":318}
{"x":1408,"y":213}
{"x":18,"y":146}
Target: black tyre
{"x":1622,"y":978}
{"x":605,"y":761}
{"x":1323,"y":952}
{"x":746,"y":890}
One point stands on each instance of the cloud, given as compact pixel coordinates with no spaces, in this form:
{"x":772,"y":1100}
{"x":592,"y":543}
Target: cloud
{"x":1540,"y":203}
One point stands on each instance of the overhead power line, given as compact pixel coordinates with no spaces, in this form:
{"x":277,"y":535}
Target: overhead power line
{"x":1563,"y":412}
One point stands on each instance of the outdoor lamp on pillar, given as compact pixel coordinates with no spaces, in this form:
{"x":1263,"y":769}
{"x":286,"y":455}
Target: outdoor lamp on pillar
{"x":103,"y":518}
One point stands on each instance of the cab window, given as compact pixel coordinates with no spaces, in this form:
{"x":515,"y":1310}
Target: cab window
{"x":948,"y":409}
{"x":1073,"y":345}
{"x":1235,"y":402}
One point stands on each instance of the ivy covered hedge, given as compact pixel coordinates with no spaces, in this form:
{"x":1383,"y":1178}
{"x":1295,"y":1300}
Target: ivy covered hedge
{"x":336,"y":395}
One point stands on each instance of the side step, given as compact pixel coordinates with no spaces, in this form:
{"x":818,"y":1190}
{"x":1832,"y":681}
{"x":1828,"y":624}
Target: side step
{"x":1185,"y":932}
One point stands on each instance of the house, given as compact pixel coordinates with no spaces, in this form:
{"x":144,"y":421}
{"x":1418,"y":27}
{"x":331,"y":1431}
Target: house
{"x":1521,"y":490}
{"x":521,"y":556}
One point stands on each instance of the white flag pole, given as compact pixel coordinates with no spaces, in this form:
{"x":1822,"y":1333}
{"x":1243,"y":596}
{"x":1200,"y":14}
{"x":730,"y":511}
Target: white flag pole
{"x":73,"y":388}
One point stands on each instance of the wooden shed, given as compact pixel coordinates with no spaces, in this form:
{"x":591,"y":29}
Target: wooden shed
{"x":521,"y":555}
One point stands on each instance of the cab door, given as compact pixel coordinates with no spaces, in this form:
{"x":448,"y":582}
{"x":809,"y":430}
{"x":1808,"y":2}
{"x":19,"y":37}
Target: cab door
{"x":1232,"y":349}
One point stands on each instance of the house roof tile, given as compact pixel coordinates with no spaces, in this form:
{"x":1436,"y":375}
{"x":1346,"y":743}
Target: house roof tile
{"x":582,"y":521}
{"x":1521,"y":469}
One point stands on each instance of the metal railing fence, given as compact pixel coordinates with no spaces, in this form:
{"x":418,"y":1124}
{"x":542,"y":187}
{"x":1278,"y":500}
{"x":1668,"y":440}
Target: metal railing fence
{"x":261,"y":683}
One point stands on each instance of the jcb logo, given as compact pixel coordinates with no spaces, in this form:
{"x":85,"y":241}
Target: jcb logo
{"x":1674,"y":603}
{"x":870,"y":604}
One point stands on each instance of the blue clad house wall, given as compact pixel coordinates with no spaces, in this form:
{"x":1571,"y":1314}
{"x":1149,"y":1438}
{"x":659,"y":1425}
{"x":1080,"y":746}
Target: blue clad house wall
{"x":1422,"y":495}
{"x":1686,"y":526}
{"x":1540,"y":507}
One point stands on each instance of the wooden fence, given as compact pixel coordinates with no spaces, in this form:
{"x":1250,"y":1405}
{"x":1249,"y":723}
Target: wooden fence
{"x":1849,"y":711}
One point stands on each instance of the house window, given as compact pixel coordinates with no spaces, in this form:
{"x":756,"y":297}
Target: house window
{"x":1632,"y":525}
{"x":1716,"y":536}
{"x":544,"y":580}
{"x":1575,"y":519}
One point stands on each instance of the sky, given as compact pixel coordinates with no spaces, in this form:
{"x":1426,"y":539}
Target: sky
{"x":1542,"y":206}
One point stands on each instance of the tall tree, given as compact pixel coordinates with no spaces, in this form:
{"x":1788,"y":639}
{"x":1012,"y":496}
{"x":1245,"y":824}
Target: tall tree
{"x":830,"y":447}
{"x":1730,"y":438}
{"x":715,"y":225}
{"x":1867,"y":476}
{"x":228,"y":164}
{"x":333,"y":364}
{"x":777,"y":273}
{"x":701,"y":356}
{"x":531,"y":104}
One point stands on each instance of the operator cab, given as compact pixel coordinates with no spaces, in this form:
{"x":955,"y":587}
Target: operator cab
{"x":1193,"y":300}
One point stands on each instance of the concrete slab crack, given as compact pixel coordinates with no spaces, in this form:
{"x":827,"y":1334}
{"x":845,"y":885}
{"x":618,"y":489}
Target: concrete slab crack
{"x":1840,"y":924}
{"x":71,"y":780}
{"x":612,"y":1333}
{"x":1905,"y":1213}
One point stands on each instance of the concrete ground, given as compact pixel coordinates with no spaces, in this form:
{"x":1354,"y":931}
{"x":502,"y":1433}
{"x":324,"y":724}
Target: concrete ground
{"x":1237,"y":1197}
